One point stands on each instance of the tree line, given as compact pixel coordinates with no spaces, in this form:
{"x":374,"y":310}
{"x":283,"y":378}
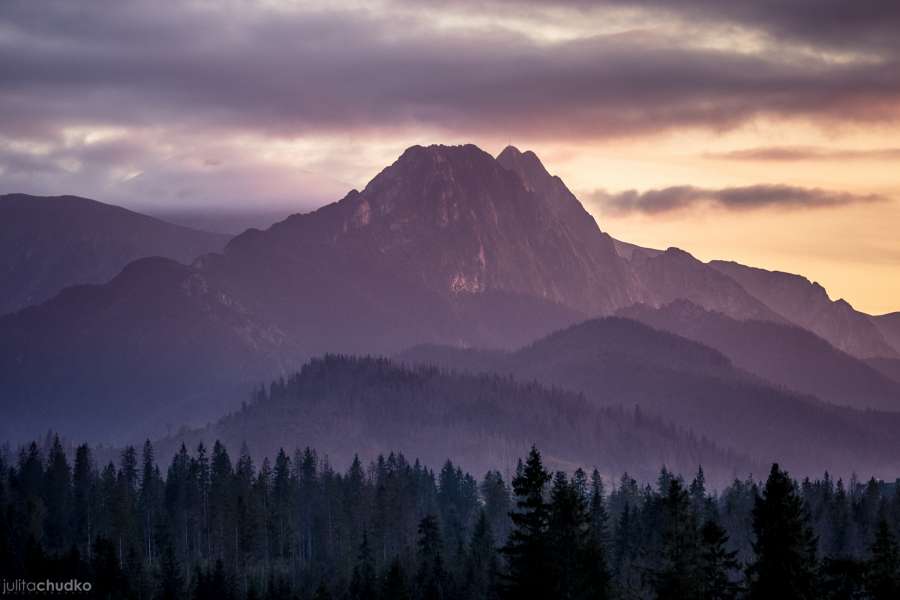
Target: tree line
{"x":294,"y":527}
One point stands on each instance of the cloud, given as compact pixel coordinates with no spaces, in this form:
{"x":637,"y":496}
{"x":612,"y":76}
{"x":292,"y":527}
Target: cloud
{"x":179,"y":83}
{"x":733,"y":198}
{"x":865,"y":25}
{"x":292,"y":72}
{"x":803,"y":153}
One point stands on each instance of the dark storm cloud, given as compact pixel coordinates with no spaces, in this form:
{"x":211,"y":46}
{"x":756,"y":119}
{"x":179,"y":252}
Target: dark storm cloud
{"x":288,"y":73}
{"x":735,"y":198}
{"x":803,"y":153}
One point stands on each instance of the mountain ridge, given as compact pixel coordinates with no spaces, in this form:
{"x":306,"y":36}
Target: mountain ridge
{"x":50,"y":242}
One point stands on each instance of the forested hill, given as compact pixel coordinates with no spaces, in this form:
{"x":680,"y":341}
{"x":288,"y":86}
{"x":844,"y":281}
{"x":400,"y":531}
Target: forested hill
{"x":615,"y":361}
{"x":344,"y":405}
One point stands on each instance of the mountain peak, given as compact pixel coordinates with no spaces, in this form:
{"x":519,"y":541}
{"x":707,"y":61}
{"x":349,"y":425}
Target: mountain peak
{"x":528,"y":167}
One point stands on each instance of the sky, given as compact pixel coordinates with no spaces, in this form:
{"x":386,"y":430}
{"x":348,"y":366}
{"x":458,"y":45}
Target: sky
{"x":765,"y":131}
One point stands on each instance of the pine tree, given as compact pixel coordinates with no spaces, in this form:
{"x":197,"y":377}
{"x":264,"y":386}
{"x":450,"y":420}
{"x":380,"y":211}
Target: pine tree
{"x":482,"y":565}
{"x":322,"y":592}
{"x":171,"y":583}
{"x":125,"y":502}
{"x":497,"y":505}
{"x":677,"y":576}
{"x":578,"y":568}
{"x":363,"y":584}
{"x":717,"y":565}
{"x":599,"y":514}
{"x":108,"y":579}
{"x":58,"y":496}
{"x":394,"y":585}
{"x":527,"y":549}
{"x":883,"y":568}
{"x":84,"y":492}
{"x":432,"y":580}
{"x":785,"y":547}
{"x":149,"y":501}
{"x":697,"y":492}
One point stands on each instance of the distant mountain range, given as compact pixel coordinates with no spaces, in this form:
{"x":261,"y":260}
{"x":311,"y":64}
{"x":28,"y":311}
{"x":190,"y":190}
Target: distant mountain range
{"x":783,"y":354}
{"x":448,"y":246}
{"x":49,"y":243}
{"x":617,"y":361}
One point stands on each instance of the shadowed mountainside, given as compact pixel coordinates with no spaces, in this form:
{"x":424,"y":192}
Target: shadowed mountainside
{"x":783,"y":354}
{"x":49,"y":243}
{"x":615,"y":361}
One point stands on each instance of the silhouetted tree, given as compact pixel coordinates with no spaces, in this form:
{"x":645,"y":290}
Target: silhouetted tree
{"x":528,"y":547}
{"x":785,"y":547}
{"x":883,"y":568}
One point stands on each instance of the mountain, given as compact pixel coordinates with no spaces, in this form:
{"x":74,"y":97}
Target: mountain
{"x":621,"y":362}
{"x":458,"y":223}
{"x":342,"y":405}
{"x":664,"y":277}
{"x":49,"y":243}
{"x":783,"y":354}
{"x":889,"y":367}
{"x":447,"y":246}
{"x":807,"y":304}
{"x":889,"y":326}
{"x":158,"y":345}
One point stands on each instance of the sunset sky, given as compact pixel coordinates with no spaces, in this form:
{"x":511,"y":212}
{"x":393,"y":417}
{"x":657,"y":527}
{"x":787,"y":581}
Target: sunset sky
{"x":766,"y":132}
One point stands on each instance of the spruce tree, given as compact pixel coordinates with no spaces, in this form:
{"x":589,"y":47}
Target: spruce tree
{"x":171,"y":583}
{"x":394,"y":585}
{"x":677,"y":575}
{"x":598,"y":512}
{"x":785,"y":547}
{"x":482,"y":565}
{"x":497,"y":505}
{"x":84,"y":500}
{"x":883,"y":568}
{"x":362,"y":583}
{"x":432,"y":580}
{"x":717,"y":567}
{"x":58,"y":496}
{"x":528,"y":548}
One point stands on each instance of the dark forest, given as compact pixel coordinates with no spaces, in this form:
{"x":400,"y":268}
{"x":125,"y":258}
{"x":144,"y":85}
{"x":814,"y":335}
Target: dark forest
{"x":294,"y":527}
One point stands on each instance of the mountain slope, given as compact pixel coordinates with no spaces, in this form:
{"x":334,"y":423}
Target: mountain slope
{"x":158,"y":345}
{"x":616,"y":361}
{"x":807,"y":304}
{"x":344,"y":405}
{"x":675,"y":274}
{"x":889,"y":326}
{"x":48,"y":243}
{"x":786,"y":355}
{"x":889,"y":367}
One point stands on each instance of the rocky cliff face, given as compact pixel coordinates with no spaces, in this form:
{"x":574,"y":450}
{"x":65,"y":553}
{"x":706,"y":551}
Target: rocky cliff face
{"x":458,"y":222}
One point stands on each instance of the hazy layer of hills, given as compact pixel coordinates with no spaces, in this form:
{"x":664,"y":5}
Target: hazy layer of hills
{"x":449,"y":247}
{"x":783,"y":354}
{"x":616,"y":361}
{"x":49,"y":243}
